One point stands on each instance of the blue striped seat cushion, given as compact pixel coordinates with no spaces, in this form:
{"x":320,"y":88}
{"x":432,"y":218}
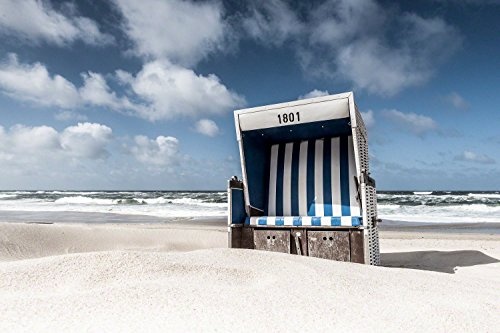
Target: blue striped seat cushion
{"x":348,"y":221}
{"x":315,"y":179}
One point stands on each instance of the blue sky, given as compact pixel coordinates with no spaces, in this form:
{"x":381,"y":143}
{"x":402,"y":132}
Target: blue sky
{"x":126,"y":94}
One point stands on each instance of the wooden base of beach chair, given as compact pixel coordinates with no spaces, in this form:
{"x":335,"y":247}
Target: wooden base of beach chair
{"x":333,"y":244}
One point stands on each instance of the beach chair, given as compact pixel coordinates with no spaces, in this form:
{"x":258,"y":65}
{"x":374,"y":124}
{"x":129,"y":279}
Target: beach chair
{"x":306,"y":186}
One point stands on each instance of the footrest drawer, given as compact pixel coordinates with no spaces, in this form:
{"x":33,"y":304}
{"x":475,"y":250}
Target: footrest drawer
{"x":332,"y":245}
{"x":272,"y":240}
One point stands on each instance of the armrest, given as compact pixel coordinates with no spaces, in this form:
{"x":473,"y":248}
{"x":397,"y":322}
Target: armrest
{"x":234,"y":182}
{"x":236,"y":202}
{"x":365,"y":178}
{"x":254,"y":211}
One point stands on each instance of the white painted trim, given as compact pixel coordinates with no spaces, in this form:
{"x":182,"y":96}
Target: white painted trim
{"x":246,"y":196}
{"x":273,"y":175}
{"x":287,"y":181}
{"x":303,"y":179}
{"x":295,"y":103}
{"x":335,"y":178}
{"x":319,"y":207}
{"x":352,"y":114}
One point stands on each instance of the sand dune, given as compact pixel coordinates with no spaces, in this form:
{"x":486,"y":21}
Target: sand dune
{"x":149,"y":278}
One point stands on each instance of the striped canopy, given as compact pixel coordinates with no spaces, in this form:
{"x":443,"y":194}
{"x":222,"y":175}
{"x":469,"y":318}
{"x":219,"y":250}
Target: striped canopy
{"x":312,"y":182}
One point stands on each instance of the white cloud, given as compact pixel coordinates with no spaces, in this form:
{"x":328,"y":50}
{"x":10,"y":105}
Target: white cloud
{"x":28,"y":150}
{"x":33,"y":139}
{"x":272,"y":22}
{"x":67,"y":115}
{"x":34,"y":83}
{"x":456,"y":100}
{"x":95,"y":91}
{"x":33,"y":146}
{"x":378,"y":69}
{"x":158,"y":152}
{"x":338,"y":22}
{"x":181,"y":31}
{"x":470,"y":156}
{"x":368,"y":118}
{"x":415,"y":123}
{"x":36,"y":21}
{"x":87,"y":140}
{"x":314,"y":93}
{"x":171,"y":91}
{"x":363,"y":53}
{"x":207,"y":127}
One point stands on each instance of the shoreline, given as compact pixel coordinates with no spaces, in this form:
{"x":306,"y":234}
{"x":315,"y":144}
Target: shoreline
{"x":70,"y":217}
{"x":491,"y":228}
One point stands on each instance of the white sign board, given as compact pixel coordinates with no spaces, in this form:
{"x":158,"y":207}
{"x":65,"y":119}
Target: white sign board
{"x":294,"y":114}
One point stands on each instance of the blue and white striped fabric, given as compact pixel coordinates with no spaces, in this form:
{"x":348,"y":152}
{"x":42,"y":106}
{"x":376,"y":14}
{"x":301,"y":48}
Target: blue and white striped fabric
{"x":337,"y":221}
{"x":312,"y":183}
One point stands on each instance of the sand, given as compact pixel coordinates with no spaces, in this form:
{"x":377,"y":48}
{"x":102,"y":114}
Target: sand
{"x":122,"y":278}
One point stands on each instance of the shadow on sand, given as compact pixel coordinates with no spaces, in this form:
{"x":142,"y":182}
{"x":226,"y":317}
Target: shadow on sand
{"x":438,"y":261}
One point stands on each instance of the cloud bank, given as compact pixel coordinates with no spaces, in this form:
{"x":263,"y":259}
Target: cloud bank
{"x":470,"y":156}
{"x":36,"y":144}
{"x":415,"y":123}
{"x":159,"y":91}
{"x":36,"y":21}
{"x":377,"y":48}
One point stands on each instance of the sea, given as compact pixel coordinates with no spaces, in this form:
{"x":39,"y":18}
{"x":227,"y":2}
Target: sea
{"x":164,"y":206}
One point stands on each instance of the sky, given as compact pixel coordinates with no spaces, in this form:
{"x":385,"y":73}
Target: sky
{"x":139,"y":95}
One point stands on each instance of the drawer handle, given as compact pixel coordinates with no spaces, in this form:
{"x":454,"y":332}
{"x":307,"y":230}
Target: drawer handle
{"x":297,"y":243}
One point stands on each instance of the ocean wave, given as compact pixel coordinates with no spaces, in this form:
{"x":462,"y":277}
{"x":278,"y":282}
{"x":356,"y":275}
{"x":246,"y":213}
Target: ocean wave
{"x":423,"y":193}
{"x":485,"y":195}
{"x":188,"y":201}
{"x":156,"y":201}
{"x":129,"y":201}
{"x":21,"y":192}
{"x":444,"y":199}
{"x":82,"y":200}
{"x":89,"y":205}
{"x":85,"y":201}
{"x":8,"y":196}
{"x":83,"y":193}
{"x":451,"y":213}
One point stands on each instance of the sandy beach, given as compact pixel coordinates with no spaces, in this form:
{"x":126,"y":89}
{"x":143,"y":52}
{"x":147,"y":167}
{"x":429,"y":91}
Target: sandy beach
{"x":181,"y":277}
